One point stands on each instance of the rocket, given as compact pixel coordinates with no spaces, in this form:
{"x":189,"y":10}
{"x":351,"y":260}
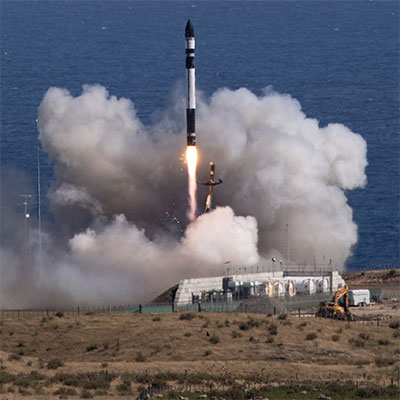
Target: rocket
{"x":210,"y":183}
{"x":191,"y":90}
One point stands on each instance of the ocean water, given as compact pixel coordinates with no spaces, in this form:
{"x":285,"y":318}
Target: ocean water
{"x":339,"y":59}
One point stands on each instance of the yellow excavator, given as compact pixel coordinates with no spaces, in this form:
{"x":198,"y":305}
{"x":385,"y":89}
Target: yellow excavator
{"x":338,"y":308}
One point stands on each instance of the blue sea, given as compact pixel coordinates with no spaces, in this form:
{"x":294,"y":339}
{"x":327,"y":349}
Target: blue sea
{"x":339,"y":59}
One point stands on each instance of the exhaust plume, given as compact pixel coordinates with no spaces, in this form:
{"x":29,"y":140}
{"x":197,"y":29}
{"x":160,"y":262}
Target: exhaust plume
{"x":191,"y":159}
{"x":117,"y":199}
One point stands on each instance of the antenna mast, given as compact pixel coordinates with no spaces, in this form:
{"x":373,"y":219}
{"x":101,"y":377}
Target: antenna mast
{"x":287,"y":245}
{"x":26,"y":216}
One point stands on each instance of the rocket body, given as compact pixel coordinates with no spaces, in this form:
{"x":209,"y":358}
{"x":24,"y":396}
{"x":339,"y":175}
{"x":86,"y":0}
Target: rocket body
{"x":191,"y":86}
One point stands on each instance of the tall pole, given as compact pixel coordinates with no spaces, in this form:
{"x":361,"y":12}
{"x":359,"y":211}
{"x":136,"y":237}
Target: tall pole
{"x":26,"y":218}
{"x":287,"y":245}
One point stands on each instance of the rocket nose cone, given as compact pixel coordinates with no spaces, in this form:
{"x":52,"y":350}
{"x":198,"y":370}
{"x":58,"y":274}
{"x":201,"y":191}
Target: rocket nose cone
{"x":189,"y":30}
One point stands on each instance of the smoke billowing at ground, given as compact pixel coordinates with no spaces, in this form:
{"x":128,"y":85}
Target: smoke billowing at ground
{"x":120,"y":196}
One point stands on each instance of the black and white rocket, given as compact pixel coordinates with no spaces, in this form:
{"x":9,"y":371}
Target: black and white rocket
{"x":191,"y":86}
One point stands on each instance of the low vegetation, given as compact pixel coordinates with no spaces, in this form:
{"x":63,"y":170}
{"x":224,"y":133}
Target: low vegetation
{"x":231,"y":356}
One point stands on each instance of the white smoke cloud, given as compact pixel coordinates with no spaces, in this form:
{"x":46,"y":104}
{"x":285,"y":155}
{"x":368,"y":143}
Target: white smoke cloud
{"x":121,"y":190}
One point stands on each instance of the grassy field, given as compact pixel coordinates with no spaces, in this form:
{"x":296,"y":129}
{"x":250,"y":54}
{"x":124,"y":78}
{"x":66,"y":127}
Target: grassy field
{"x":229,"y":356}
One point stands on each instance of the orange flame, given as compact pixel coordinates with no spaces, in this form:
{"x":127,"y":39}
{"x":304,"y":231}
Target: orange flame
{"x":191,"y":159}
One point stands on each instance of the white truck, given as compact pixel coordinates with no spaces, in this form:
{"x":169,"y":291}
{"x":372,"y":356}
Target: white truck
{"x":359,"y":297}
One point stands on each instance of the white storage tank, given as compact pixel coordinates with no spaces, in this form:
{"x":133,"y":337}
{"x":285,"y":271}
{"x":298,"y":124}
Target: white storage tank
{"x":290,"y":287}
{"x":323,"y":284}
{"x":279,"y":288}
{"x":306,"y":286}
{"x":269,"y":288}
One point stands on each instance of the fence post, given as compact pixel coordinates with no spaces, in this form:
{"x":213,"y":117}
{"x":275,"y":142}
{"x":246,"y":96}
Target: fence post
{"x":18,"y":314}
{"x":78,"y":310}
{"x":299,"y":313}
{"x":140,"y":308}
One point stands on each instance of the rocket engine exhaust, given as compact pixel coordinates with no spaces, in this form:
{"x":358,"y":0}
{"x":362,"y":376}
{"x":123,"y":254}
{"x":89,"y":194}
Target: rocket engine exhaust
{"x":191,"y":151}
{"x":191,"y":159}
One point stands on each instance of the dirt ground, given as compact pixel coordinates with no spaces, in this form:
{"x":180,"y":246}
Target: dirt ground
{"x":38,"y":356}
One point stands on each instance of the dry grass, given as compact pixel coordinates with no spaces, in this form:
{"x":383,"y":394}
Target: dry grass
{"x":134,"y":343}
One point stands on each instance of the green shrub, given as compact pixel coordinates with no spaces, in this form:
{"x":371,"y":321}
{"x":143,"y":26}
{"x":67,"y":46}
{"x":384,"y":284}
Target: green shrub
{"x":65,"y":392}
{"x":236,"y":335}
{"x":23,"y":380}
{"x":59,"y":314}
{"x":270,"y":339}
{"x":253,"y":323}
{"x":123,"y":388}
{"x":155,"y":319}
{"x":187,"y":316}
{"x":311,"y":336}
{"x":140,"y":357}
{"x":335,"y":338}
{"x":187,"y":334}
{"x":390,"y":274}
{"x":85,"y":394}
{"x":91,"y":347}
{"x":244,"y":326}
{"x":302,"y":325}
{"x":140,"y":388}
{"x":214,"y":339}
{"x":362,"y":362}
{"x":273,"y":329}
{"x":384,"y":342}
{"x":384,"y":361}
{"x":207,"y":353}
{"x":14,"y":357}
{"x":356,"y":342}
{"x":394,"y":325}
{"x":227,"y":323}
{"x":54,"y":364}
{"x":364,"y":336}
{"x":282,"y":316}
